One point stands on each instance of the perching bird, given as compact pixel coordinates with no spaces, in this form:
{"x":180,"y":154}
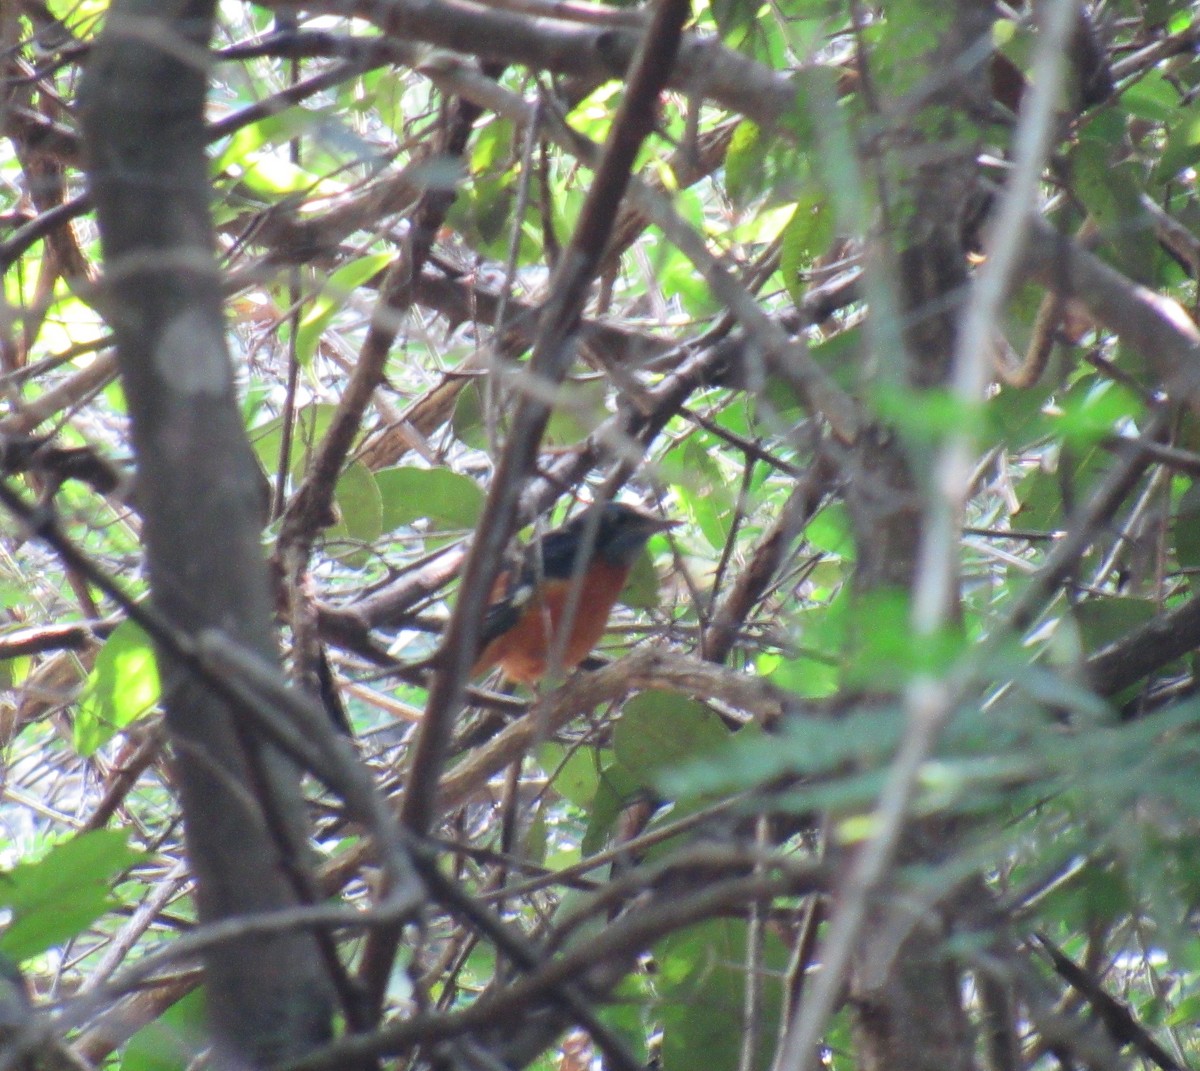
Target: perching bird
{"x":520,"y":629}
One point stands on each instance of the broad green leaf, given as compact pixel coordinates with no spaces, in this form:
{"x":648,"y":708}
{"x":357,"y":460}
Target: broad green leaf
{"x":1094,"y":409}
{"x":360,"y":503}
{"x":642,"y":588}
{"x":448,"y":500}
{"x":467,"y":421}
{"x":1040,"y":505}
{"x":1152,"y":98}
{"x":272,"y":174}
{"x":614,"y":792}
{"x":121,"y":688}
{"x":1183,"y":143}
{"x":804,"y":745}
{"x":830,"y":531}
{"x":1186,"y":528}
{"x":925,"y":416}
{"x":173,"y":1041}
{"x":1111,"y":188}
{"x":744,"y":162}
{"x":697,"y":477}
{"x":493,"y":145}
{"x":1103,"y":620}
{"x":578,"y":411}
{"x":274,"y":129}
{"x":625,"y":1012}
{"x":311,"y":424}
{"x":657,"y":730}
{"x":701,"y":988}
{"x":62,"y":894}
{"x":807,"y":235}
{"x":575,"y":772}
{"x":804,"y":675}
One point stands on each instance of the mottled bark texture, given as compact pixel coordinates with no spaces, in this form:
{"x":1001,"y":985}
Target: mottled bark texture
{"x":904,"y":989}
{"x":199,"y":494}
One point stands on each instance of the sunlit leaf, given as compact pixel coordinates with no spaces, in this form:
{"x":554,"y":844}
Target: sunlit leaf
{"x":333,"y":296}
{"x":59,"y":896}
{"x":121,"y":688}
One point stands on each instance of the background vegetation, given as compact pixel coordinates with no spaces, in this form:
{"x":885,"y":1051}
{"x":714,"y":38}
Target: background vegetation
{"x":889,"y":759}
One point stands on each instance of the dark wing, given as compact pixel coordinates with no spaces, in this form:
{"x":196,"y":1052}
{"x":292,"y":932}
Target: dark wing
{"x":500,"y":617}
{"x":505,"y":612}
{"x":560,"y":550}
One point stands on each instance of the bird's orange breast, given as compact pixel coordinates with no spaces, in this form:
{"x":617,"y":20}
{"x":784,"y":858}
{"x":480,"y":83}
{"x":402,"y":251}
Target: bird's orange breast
{"x":523,"y":652}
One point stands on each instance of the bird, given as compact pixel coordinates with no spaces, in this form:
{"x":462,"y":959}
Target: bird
{"x":521,"y":626}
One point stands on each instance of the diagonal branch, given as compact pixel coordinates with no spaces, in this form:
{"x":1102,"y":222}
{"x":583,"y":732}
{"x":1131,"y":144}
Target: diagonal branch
{"x":552,"y":354}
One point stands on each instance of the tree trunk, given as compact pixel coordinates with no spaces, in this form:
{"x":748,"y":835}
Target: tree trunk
{"x":199,"y":493}
{"x":904,"y":989}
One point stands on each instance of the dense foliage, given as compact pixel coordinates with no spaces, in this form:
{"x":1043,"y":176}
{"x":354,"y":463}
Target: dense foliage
{"x":886,"y":760}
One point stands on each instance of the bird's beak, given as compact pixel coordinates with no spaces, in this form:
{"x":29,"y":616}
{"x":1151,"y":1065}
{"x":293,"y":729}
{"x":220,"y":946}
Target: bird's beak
{"x":660,"y":524}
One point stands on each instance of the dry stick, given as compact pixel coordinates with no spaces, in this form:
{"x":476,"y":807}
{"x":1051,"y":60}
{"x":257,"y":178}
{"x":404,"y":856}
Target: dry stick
{"x":168,"y":887}
{"x":768,"y":556}
{"x":1154,"y":325}
{"x":704,"y":65}
{"x":1139,"y":653}
{"x":930,"y":702}
{"x":552,"y":354}
{"x":641,"y":671}
{"x":1118,"y":1020}
{"x":126,"y":776}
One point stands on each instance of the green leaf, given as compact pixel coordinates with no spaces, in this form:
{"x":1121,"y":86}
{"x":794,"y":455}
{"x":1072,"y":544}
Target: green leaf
{"x":448,"y":500}
{"x":1096,"y":408}
{"x":744,"y":163}
{"x":274,"y":129}
{"x":62,"y":894}
{"x":1187,"y":527}
{"x":1111,"y":188}
{"x":1103,"y":620}
{"x":696,"y":475}
{"x":701,"y":987}
{"x":360,"y":503}
{"x":807,"y":676}
{"x":334,"y":294}
{"x":311,"y":424}
{"x":578,"y":411}
{"x":1183,"y":143}
{"x":806,"y":236}
{"x":658,"y":730}
{"x":467,"y":421}
{"x":172,"y":1041}
{"x":575,"y":772}
{"x":615,"y":791}
{"x":641,"y":590}
{"x":1039,"y":497}
{"x":1152,"y":98}
{"x":926,"y":415}
{"x":830,"y":531}
{"x":810,"y":746}
{"x":121,"y":688}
